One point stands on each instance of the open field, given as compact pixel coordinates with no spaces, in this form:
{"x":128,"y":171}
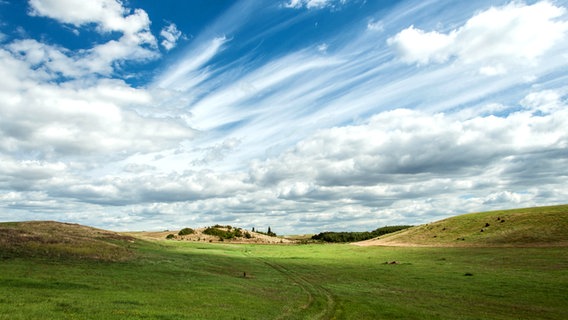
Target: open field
{"x":87,"y":273}
{"x":183,"y":280}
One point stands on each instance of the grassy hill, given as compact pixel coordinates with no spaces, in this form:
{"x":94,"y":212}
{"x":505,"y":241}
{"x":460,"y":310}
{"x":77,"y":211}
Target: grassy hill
{"x":540,"y":226}
{"x":52,"y":239}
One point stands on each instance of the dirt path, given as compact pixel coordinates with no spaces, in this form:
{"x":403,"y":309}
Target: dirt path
{"x":318,"y":296}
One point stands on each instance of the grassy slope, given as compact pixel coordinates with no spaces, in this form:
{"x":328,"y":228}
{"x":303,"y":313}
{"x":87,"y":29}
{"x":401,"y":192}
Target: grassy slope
{"x":541,"y":226}
{"x":61,"y":240}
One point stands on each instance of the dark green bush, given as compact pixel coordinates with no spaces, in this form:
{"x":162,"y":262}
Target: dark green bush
{"x":224,"y":234}
{"x":186,"y":231}
{"x":170,"y":236}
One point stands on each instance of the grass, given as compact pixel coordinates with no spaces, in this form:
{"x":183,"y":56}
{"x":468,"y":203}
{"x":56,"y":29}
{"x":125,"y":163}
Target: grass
{"x":540,"y":226}
{"x":59,"y":271}
{"x":205,"y":281}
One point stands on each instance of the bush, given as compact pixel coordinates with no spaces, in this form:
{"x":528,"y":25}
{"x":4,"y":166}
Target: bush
{"x":222,"y":234}
{"x":170,"y":236}
{"x":186,"y":231}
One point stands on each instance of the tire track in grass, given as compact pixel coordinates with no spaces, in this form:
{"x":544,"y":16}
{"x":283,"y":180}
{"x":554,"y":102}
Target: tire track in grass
{"x":318,"y":296}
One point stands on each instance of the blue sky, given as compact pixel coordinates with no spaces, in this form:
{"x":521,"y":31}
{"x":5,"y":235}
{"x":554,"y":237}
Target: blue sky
{"x":302,"y":115}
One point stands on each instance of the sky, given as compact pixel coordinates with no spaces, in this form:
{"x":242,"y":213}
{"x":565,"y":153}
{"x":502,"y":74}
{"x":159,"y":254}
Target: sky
{"x":301,"y":115}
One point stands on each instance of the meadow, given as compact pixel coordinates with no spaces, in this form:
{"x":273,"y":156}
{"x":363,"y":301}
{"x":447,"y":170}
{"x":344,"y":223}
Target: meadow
{"x":186,"y":280}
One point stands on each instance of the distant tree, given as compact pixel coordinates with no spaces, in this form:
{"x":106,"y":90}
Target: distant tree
{"x":252,"y":229}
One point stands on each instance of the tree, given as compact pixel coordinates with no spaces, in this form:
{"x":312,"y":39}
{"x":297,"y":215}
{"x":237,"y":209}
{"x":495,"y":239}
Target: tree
{"x":252,"y":229}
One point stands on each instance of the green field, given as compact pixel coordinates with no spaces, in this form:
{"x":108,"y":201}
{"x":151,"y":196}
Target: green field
{"x":178,"y":280}
{"x":73,"y":272}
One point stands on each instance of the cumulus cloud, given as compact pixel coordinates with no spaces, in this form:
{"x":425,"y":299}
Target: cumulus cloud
{"x":514,"y":34}
{"x":108,"y":15}
{"x":404,"y":154}
{"x":170,"y":35}
{"x":95,"y":117}
{"x":136,"y":42}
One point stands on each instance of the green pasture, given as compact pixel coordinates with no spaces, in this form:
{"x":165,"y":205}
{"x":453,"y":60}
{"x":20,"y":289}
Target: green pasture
{"x":183,"y":280}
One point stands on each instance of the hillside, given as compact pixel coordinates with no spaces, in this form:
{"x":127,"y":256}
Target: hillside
{"x":528,"y":227}
{"x":62,"y":240}
{"x":199,"y":236}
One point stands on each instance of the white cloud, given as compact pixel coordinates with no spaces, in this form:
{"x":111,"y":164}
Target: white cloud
{"x":312,"y":4}
{"x":404,"y":154}
{"x":546,"y":101}
{"x":94,"y":117}
{"x":170,"y":35}
{"x":108,"y":15}
{"x":136,"y":42}
{"x":496,"y":39}
{"x":415,"y":45}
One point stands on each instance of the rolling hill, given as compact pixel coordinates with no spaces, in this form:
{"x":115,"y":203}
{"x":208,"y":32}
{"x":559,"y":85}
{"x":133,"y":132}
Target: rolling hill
{"x":527,"y":227}
{"x":52,"y":239}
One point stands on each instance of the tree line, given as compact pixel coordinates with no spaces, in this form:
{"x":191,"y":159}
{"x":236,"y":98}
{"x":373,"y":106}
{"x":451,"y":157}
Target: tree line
{"x":330,"y":236}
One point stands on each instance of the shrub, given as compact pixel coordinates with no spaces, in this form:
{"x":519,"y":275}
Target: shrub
{"x":186,"y":231}
{"x":222,"y":234}
{"x":170,"y":236}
